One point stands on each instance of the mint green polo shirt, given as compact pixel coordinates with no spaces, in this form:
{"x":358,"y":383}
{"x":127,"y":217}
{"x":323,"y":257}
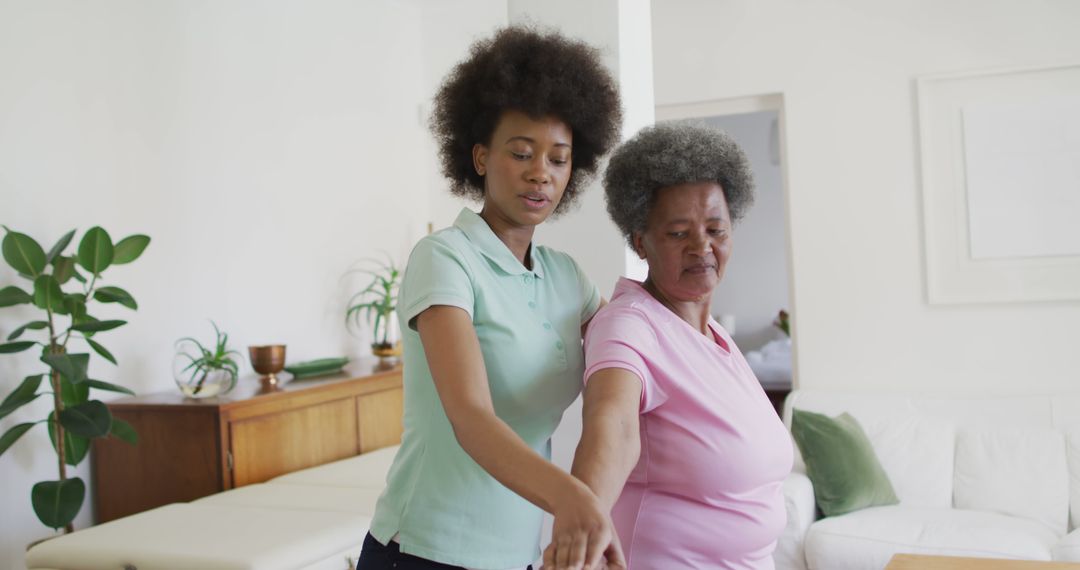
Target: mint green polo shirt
{"x":440,"y":503}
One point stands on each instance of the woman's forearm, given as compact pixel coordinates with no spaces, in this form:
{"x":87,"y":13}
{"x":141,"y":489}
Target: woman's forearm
{"x":457,"y":369}
{"x":504,"y":455}
{"x":610,"y":439}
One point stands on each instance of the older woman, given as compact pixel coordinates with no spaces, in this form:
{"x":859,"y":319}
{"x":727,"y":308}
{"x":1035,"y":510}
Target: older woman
{"x":679,"y":437}
{"x":493,"y":322}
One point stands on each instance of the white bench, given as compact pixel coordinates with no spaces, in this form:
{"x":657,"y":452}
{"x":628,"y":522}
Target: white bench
{"x":313,"y":519}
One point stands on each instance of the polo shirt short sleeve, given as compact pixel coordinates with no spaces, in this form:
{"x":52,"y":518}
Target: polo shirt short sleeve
{"x":631,"y":338}
{"x":438,"y":502}
{"x":437,"y":276}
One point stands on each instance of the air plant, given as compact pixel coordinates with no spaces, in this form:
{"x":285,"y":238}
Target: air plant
{"x":201,"y":361}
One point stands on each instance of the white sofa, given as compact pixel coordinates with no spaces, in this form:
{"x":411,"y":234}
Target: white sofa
{"x":995,"y":477}
{"x":314,"y":519}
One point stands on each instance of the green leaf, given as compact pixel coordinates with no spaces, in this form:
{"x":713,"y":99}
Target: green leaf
{"x":90,"y":419}
{"x":33,"y":326}
{"x":12,"y":435}
{"x":116,"y":295}
{"x":73,"y":394}
{"x":102,"y":385}
{"x":59,"y":247}
{"x":10,"y":296}
{"x":56,"y":503}
{"x":78,"y":276}
{"x":97,"y":326}
{"x":23,"y":253}
{"x":63,"y":269}
{"x":70,"y":366}
{"x":95,"y":250}
{"x":104,"y":352}
{"x":75,"y":305}
{"x":124,"y":431}
{"x":21,"y":395}
{"x":47,"y":293}
{"x":76,"y":447}
{"x":83,"y":319}
{"x":130,"y":248}
{"x":18,"y":346}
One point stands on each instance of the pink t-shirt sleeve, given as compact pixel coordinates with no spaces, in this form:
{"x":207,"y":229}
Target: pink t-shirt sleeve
{"x":620,"y":337}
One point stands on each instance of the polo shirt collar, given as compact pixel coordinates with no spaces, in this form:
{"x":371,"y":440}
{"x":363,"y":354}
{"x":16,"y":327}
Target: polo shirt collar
{"x":486,"y":242}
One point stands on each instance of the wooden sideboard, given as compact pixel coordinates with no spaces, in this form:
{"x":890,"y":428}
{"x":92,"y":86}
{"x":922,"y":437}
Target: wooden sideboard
{"x":193,"y":448}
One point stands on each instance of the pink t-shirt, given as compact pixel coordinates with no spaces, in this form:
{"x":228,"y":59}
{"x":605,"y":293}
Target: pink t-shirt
{"x":706,"y":492}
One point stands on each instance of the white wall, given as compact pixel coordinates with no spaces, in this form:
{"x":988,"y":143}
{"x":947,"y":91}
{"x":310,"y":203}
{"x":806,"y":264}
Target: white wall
{"x":447,"y":31}
{"x":846,"y":72}
{"x":265,"y":147}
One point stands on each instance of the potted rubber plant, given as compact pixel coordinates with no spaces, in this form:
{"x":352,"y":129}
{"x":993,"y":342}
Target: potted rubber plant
{"x":66,"y":335}
{"x":377,"y":303}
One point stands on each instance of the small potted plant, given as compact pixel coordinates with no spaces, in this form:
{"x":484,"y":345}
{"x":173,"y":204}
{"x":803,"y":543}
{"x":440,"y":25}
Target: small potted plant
{"x":377,"y":303}
{"x":783,"y":322}
{"x":203,"y":372}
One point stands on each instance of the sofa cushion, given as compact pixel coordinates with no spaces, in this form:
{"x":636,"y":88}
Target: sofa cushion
{"x":1068,"y":549}
{"x":841,"y":463}
{"x":870,"y":537}
{"x":209,"y":537}
{"x":366,"y":470}
{"x":1019,"y":472}
{"x":916,"y":452}
{"x":304,"y":497}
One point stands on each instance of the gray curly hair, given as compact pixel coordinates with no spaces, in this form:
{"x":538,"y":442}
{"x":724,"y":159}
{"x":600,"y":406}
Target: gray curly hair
{"x":669,"y":155}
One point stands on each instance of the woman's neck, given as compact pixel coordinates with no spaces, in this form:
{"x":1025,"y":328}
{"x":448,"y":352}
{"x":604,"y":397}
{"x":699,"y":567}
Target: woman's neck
{"x":695,"y":313}
{"x":517,"y":238}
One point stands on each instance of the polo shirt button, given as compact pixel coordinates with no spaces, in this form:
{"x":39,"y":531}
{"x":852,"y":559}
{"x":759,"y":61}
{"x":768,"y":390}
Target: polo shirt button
{"x":532,"y":304}
{"x":547,"y":326}
{"x":528,"y":278}
{"x":558,"y":344}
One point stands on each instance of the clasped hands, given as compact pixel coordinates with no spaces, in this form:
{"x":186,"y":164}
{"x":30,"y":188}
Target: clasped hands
{"x":583,"y":537}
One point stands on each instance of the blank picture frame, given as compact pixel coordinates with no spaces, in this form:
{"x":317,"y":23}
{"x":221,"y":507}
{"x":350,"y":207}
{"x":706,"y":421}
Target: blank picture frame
{"x":1000,"y":161}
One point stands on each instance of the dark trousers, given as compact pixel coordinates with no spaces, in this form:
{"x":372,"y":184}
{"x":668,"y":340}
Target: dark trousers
{"x":375,"y":556}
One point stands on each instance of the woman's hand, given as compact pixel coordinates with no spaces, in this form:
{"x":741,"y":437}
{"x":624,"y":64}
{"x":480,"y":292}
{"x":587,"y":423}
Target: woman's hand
{"x":583,"y":537}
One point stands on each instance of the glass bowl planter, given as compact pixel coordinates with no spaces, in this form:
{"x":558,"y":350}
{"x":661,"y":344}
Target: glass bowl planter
{"x":197,"y":381}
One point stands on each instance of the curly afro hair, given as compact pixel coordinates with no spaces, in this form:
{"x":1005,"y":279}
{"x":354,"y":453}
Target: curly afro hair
{"x":539,"y":73}
{"x":669,"y":155}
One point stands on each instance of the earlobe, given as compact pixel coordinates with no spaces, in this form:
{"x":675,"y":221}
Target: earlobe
{"x":479,"y":158}
{"x":639,"y":245}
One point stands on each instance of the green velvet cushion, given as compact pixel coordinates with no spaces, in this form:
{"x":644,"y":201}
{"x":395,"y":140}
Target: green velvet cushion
{"x":841,"y":463}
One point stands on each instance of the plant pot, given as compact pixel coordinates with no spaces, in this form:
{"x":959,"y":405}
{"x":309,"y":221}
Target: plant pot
{"x":387,"y":345}
{"x":389,"y":354}
{"x":201,"y":383}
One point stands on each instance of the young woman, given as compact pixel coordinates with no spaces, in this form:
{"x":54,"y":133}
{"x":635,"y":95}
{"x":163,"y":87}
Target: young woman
{"x":493,"y":323}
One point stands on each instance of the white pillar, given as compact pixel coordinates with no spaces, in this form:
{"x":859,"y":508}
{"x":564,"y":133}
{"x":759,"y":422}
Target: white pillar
{"x":622,"y":30}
